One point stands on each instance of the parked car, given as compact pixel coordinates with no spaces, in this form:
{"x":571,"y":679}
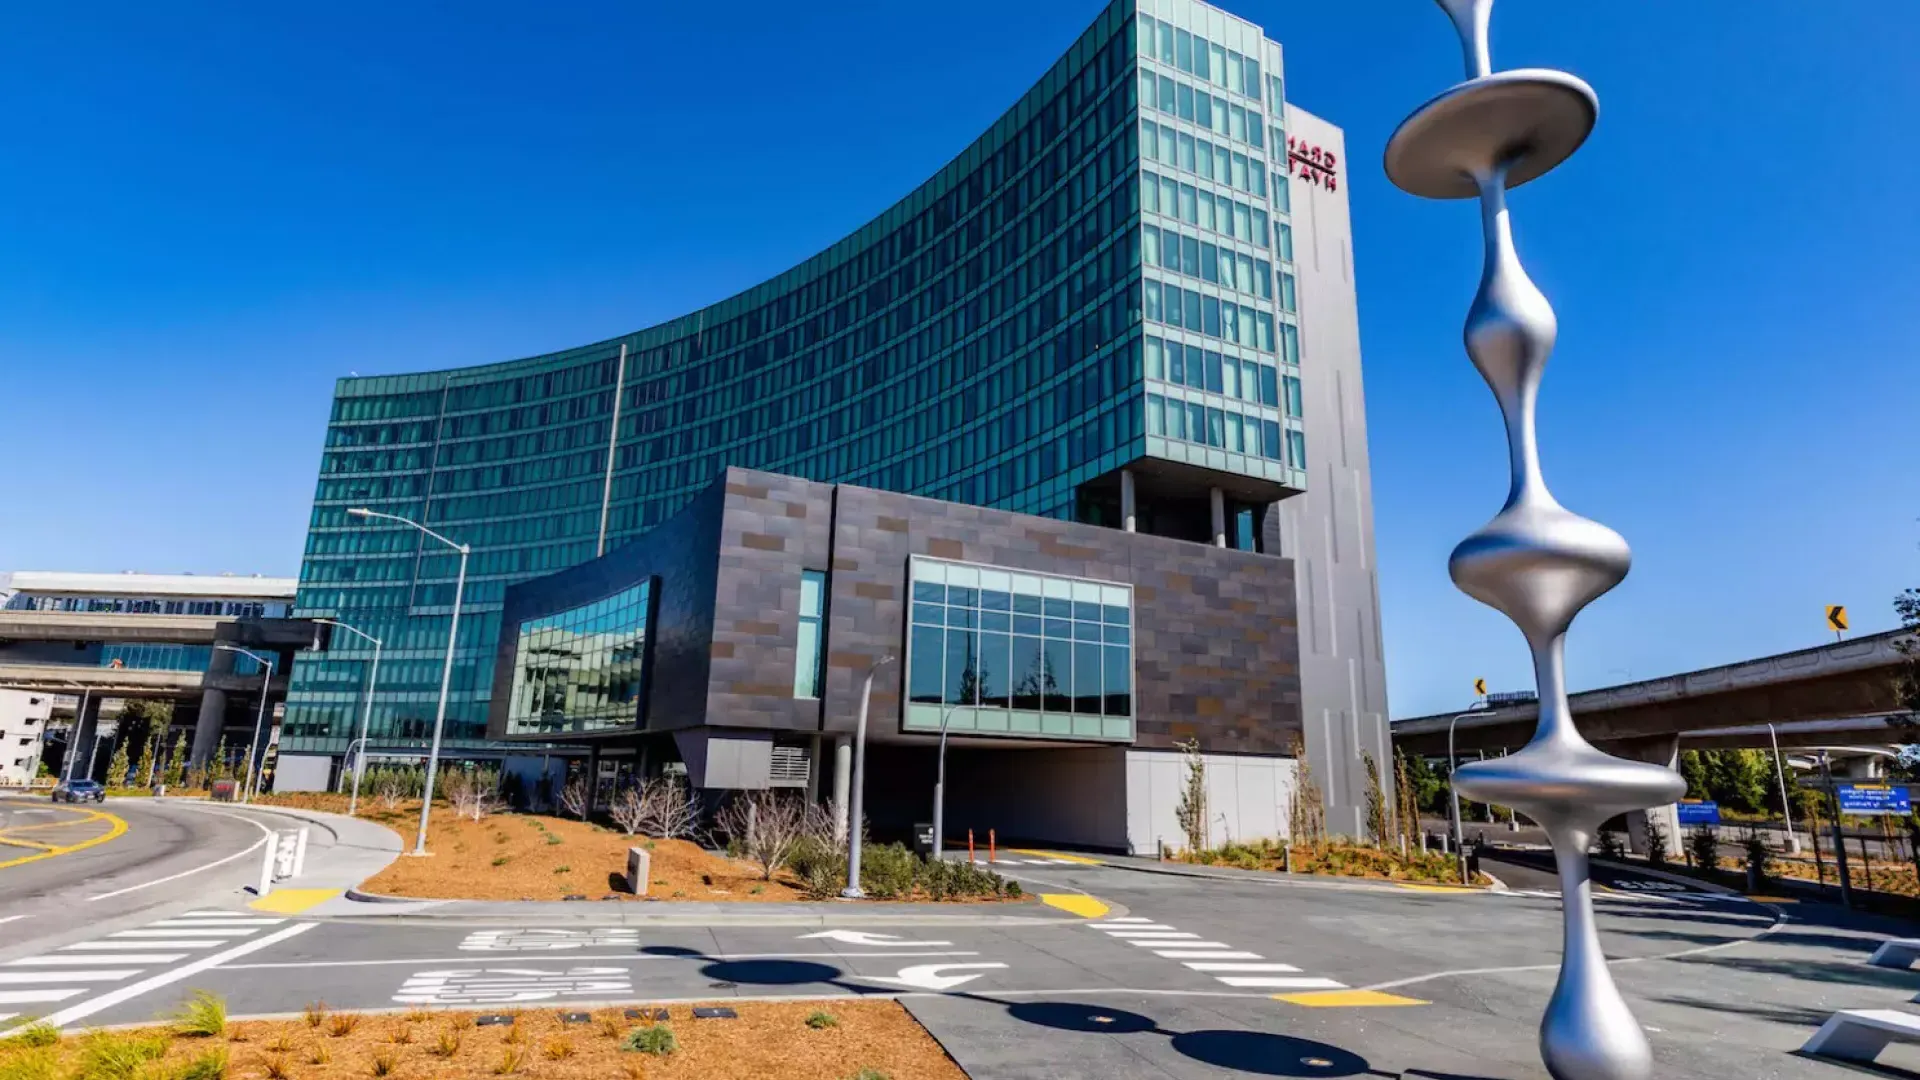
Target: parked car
{"x":80,"y":791}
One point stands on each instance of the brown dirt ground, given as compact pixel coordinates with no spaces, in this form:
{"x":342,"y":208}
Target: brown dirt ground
{"x":1347,"y":860}
{"x":769,"y":1041}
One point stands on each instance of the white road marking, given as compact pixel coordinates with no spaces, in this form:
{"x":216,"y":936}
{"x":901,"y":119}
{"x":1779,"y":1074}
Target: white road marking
{"x":22,"y":978}
{"x":199,"y":922}
{"x":1121,"y":922}
{"x":862,"y":937}
{"x":1135,"y":928}
{"x":1206,"y":954}
{"x":171,"y":943}
{"x":4,"y":1017}
{"x":10,"y":918}
{"x":1183,"y":944}
{"x":1201,"y":965}
{"x":1138,"y":936}
{"x":928,"y":977}
{"x":1281,"y":982}
{"x":541,"y":940}
{"x":115,"y":997}
{"x":28,"y":997}
{"x":500,"y":986}
{"x":114,"y":958}
{"x":208,"y":866}
{"x":212,"y":933}
{"x":702,"y":958}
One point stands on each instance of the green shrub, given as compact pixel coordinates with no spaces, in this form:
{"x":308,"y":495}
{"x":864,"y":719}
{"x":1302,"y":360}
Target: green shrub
{"x":38,"y":1063}
{"x":110,"y":1055}
{"x":887,"y":871}
{"x":655,"y":1039}
{"x":1611,"y":845}
{"x":204,"y":1015}
{"x":869,"y":1074}
{"x":211,"y":1065}
{"x":820,"y":1018}
{"x":1703,"y":844}
{"x":38,"y":1033}
{"x":1759,"y":859}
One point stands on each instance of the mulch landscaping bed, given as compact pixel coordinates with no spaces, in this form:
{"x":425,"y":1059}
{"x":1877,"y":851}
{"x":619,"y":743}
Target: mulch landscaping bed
{"x":767,"y":1041}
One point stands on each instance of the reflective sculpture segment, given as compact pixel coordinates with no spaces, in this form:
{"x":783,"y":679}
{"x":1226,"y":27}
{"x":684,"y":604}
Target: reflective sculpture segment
{"x":1536,"y":562}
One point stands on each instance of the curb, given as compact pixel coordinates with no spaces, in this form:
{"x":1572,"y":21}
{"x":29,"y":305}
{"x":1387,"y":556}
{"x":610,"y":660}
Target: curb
{"x":1236,"y":874}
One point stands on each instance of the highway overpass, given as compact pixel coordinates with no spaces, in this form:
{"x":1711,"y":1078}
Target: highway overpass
{"x":1831,"y":683}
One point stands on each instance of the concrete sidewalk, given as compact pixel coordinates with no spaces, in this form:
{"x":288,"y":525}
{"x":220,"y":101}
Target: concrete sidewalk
{"x":356,"y":850}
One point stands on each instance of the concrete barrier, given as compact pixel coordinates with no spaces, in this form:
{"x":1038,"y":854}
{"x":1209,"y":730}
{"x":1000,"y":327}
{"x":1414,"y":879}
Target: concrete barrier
{"x":639,"y":870}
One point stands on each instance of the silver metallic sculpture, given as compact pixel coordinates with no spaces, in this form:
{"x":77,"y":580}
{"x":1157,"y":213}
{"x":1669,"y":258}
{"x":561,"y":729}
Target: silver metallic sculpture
{"x":1536,"y":562}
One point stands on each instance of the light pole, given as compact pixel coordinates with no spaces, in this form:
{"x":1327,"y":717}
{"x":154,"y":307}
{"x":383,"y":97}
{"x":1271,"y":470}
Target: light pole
{"x":1453,"y":804}
{"x":940,"y":786}
{"x":446,"y":671}
{"x":366,"y":709}
{"x":251,"y":781}
{"x":1786,"y":807}
{"x":852,"y":891}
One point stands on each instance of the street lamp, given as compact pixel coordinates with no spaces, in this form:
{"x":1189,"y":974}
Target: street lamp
{"x":366,"y":709}
{"x":852,"y":891}
{"x":940,"y":786}
{"x":1453,"y":803}
{"x":251,"y":782}
{"x":446,"y":671}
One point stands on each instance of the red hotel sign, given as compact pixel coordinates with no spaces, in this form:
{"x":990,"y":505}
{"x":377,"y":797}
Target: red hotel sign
{"x":1311,"y":164}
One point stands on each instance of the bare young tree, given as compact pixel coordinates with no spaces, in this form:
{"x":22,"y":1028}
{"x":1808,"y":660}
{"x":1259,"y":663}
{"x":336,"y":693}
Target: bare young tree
{"x":390,"y":790}
{"x":629,"y":809}
{"x":473,"y":794}
{"x":767,"y":826}
{"x":667,"y":809}
{"x":573,"y":797}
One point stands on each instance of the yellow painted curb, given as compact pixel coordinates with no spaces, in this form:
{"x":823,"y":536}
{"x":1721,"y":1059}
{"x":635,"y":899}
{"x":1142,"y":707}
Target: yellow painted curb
{"x":1411,"y":887}
{"x":1061,"y":855}
{"x":1334,"y":999}
{"x":293,"y":901}
{"x":1076,"y":903}
{"x":1773,"y":899}
{"x":119,"y":829}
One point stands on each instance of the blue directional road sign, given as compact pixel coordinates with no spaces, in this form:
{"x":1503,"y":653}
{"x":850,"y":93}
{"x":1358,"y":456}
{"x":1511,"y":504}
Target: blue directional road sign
{"x":1873,"y":799}
{"x":1698,"y":812}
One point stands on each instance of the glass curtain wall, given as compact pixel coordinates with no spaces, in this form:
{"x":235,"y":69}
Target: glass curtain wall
{"x":977,"y":342}
{"x":583,"y":669}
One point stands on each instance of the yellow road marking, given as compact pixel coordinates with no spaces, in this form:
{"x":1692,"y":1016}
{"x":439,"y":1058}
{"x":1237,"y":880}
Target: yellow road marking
{"x":293,"y":901}
{"x":118,"y":829}
{"x":53,"y":824}
{"x":1061,"y":855}
{"x":1758,"y":899}
{"x":1075,"y":903}
{"x":31,"y":844}
{"x":1361,"y":999}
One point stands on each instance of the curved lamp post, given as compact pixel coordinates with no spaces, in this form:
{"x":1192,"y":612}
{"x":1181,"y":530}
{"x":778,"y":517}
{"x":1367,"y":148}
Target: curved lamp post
{"x":853,"y":891}
{"x":446,"y":670}
{"x":250,"y":784}
{"x":366,"y":710}
{"x":940,"y":787}
{"x":1535,"y":562}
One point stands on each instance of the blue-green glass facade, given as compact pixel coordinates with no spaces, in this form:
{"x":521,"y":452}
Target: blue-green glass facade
{"x":985,"y":340}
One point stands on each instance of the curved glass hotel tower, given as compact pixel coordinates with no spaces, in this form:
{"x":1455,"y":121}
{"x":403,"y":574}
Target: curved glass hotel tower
{"x":1107,"y":312}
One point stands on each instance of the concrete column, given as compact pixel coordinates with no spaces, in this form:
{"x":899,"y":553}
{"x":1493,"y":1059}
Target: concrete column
{"x":842,"y":783}
{"x":813,"y":771}
{"x":1128,"y":511}
{"x":213,"y":711}
{"x":86,"y":732}
{"x":1660,"y":751}
{"x":593,"y":777}
{"x":1219,"y":503}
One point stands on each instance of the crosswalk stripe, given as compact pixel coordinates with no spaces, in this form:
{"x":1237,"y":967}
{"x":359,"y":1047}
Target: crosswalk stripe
{"x":1281,"y":983}
{"x":1122,"y":922}
{"x":110,"y":958}
{"x":28,"y":997}
{"x":1163,"y":940}
{"x":1201,"y":965}
{"x":197,"y":931}
{"x":1135,"y":926}
{"x":1206,"y":954}
{"x":220,"y":913}
{"x":217,"y":922}
{"x":19,"y":978}
{"x":171,"y":943}
{"x":1151,"y":935}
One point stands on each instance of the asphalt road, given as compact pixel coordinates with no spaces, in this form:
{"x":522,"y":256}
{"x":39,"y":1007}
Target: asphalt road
{"x":171,"y":853}
{"x":1186,"y":977}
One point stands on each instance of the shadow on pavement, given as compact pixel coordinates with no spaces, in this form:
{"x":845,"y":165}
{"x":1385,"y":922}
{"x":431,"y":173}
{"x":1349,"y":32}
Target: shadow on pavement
{"x":771,"y":972}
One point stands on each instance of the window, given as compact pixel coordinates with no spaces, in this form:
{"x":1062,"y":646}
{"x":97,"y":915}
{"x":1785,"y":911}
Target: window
{"x":1297,"y":449}
{"x":993,"y":639}
{"x":808,"y":675}
{"x":582,"y":669}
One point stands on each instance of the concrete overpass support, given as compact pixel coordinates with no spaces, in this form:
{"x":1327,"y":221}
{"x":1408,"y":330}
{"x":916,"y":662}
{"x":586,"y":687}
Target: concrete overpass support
{"x":86,"y":733}
{"x":213,"y":711}
{"x":1660,"y":751}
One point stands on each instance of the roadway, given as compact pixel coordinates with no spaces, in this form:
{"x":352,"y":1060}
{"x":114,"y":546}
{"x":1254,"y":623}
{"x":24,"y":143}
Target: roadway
{"x":1226,"y":974}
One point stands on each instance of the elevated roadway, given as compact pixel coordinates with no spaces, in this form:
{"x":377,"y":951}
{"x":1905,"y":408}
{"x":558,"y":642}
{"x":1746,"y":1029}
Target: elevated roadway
{"x":1830,"y":683}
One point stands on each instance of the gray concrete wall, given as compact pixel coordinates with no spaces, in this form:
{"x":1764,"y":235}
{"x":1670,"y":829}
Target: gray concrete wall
{"x":1328,"y":531}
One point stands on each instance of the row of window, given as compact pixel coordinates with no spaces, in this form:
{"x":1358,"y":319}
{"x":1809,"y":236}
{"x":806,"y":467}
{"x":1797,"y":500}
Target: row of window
{"x":171,"y":658}
{"x":1197,"y":56}
{"x":1225,"y":429}
{"x":1196,"y":258}
{"x":1216,"y":114}
{"x":1170,"y":305}
{"x":1221,"y":373}
{"x":1195,"y":155}
{"x":234,"y":609}
{"x":1197,"y":206}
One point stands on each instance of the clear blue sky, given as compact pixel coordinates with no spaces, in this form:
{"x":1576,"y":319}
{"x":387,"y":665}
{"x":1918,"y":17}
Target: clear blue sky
{"x":208,"y":212}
